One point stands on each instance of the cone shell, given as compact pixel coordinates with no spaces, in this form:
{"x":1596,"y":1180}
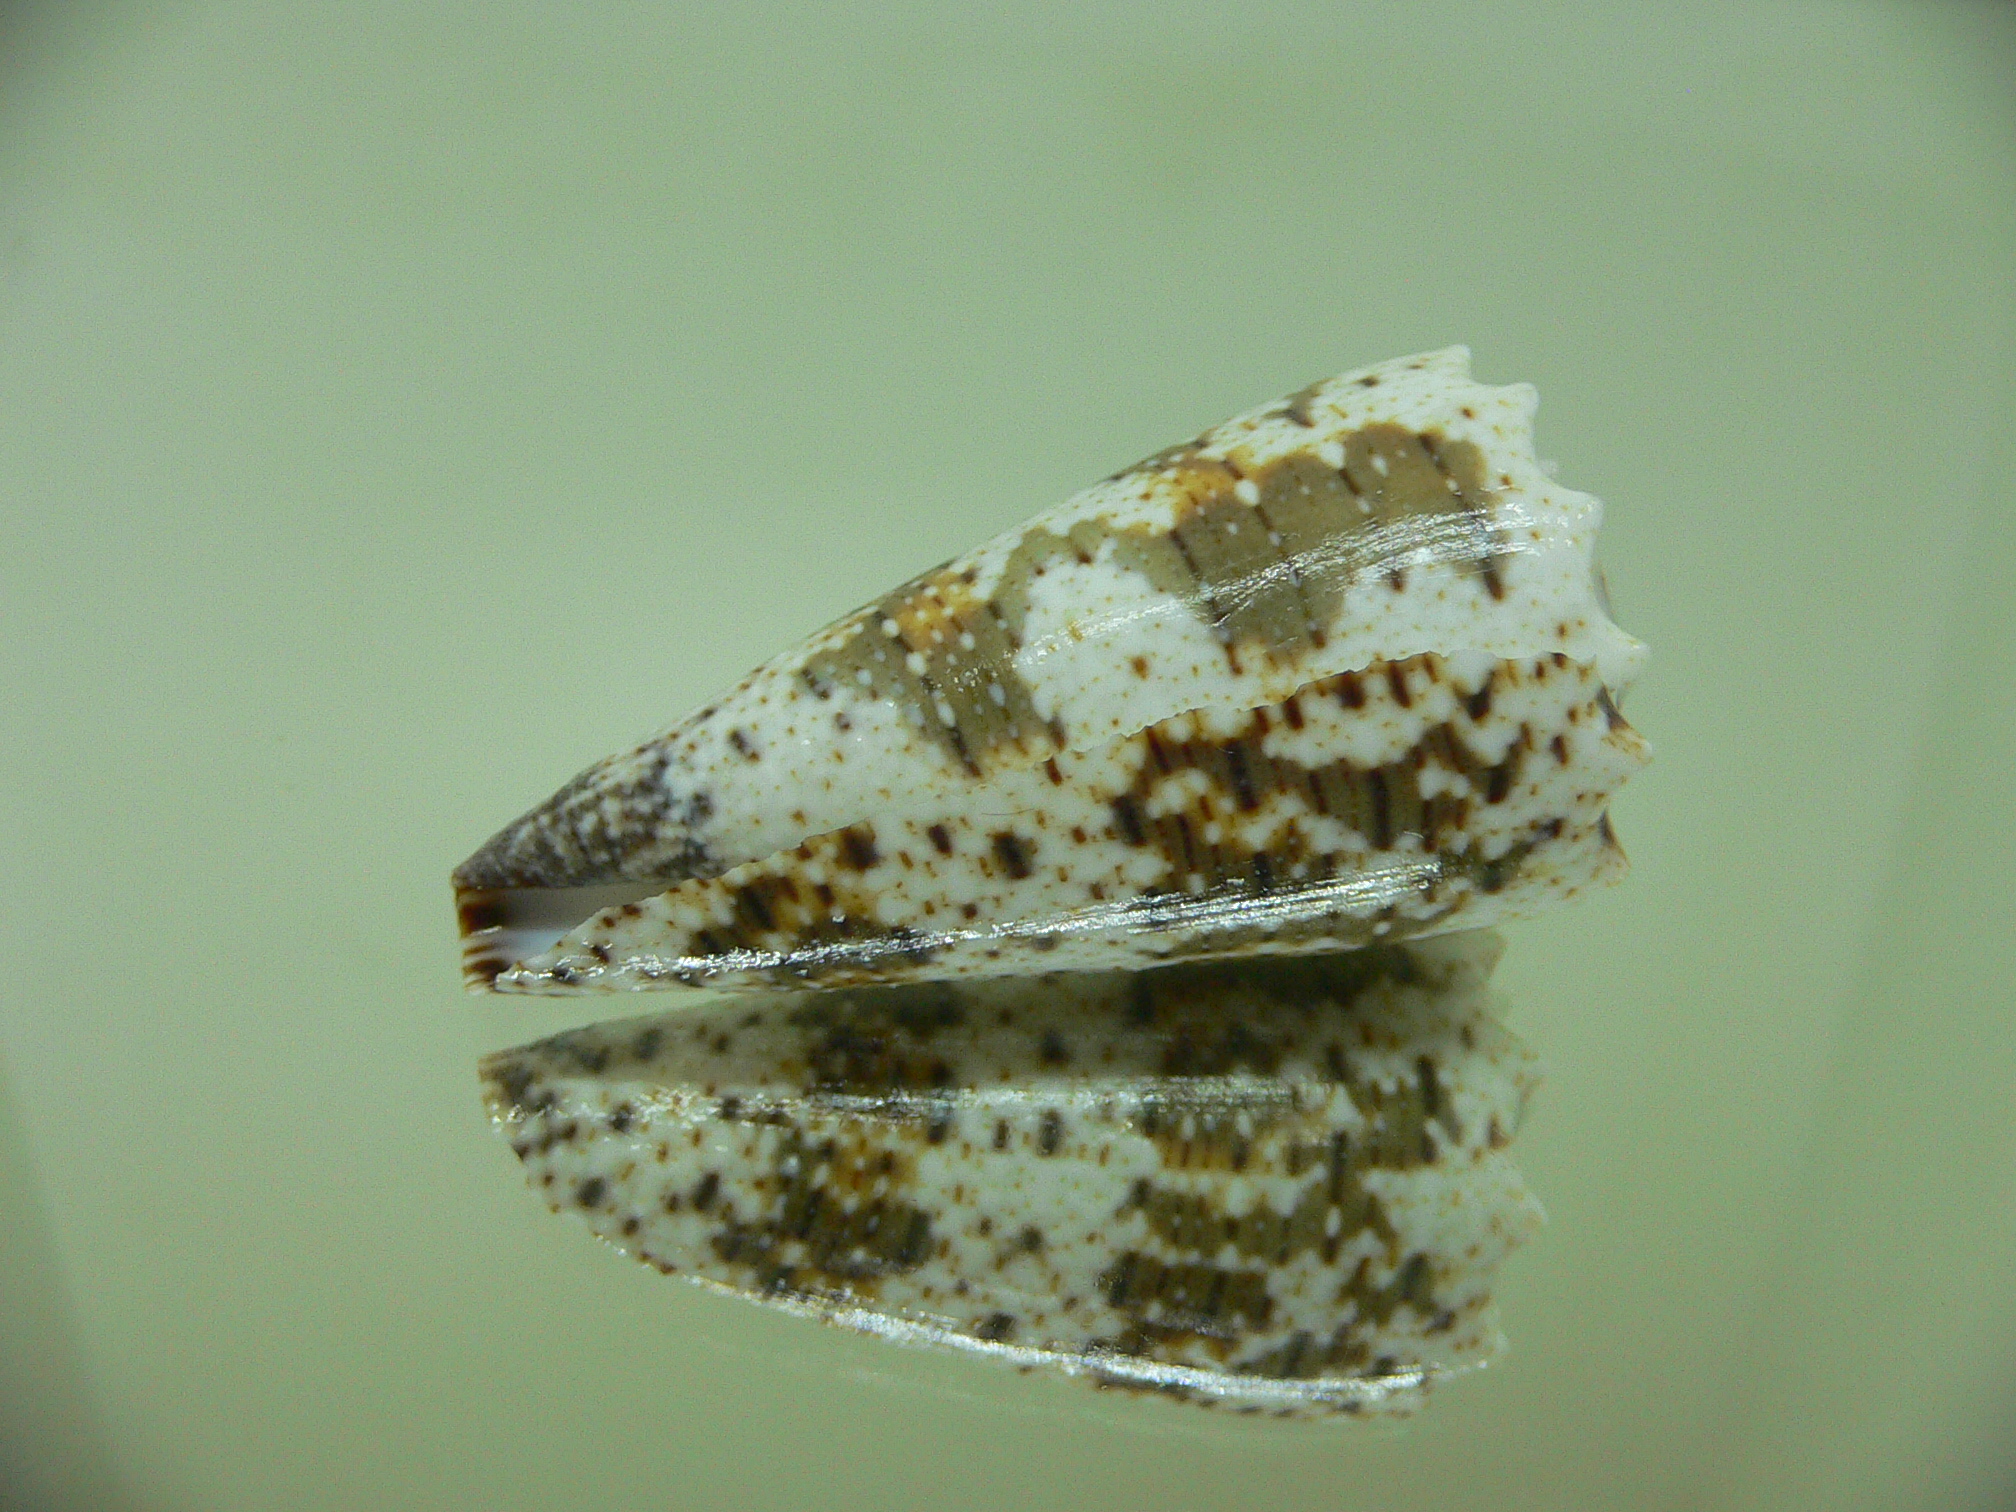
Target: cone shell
{"x":1270,"y":1186}
{"x":1336,"y":671}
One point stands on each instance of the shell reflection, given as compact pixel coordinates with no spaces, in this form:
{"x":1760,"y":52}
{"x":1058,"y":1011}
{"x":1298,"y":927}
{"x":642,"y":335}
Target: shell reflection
{"x":1273,"y":1185}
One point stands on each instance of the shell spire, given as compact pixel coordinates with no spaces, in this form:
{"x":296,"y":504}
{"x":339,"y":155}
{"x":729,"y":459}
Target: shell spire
{"x":1338,"y":670}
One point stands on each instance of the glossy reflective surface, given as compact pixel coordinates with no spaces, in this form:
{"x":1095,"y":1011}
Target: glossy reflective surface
{"x":1335,"y":671}
{"x":1274,"y":1187}
{"x":367,"y":380}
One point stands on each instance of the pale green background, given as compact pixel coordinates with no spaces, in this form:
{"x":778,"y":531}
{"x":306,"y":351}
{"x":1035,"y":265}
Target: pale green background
{"x":402,"y":404}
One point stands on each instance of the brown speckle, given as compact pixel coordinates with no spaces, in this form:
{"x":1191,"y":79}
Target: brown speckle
{"x":857,"y":847}
{"x":1050,"y":1133}
{"x":996,"y":1328}
{"x":1013,"y":852}
{"x":1396,"y":679}
{"x":1127,"y":819}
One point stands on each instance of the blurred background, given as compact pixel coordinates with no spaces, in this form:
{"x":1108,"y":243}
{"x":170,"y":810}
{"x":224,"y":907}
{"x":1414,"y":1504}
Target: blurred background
{"x":405,"y":402}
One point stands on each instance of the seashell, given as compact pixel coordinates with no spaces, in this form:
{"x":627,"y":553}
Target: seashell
{"x":1269,"y":1185}
{"x":1337,"y":671}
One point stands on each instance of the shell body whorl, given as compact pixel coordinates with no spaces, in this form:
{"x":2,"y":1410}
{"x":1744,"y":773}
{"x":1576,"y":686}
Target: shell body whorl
{"x":1338,"y":670}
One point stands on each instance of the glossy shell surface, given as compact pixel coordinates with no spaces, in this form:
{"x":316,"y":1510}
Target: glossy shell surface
{"x":1337,"y":670}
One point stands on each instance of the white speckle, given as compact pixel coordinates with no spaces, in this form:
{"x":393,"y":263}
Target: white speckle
{"x":891,"y":629}
{"x":1248,"y":491}
{"x":1379,"y":463}
{"x":915,"y":662}
{"x":999,"y":694}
